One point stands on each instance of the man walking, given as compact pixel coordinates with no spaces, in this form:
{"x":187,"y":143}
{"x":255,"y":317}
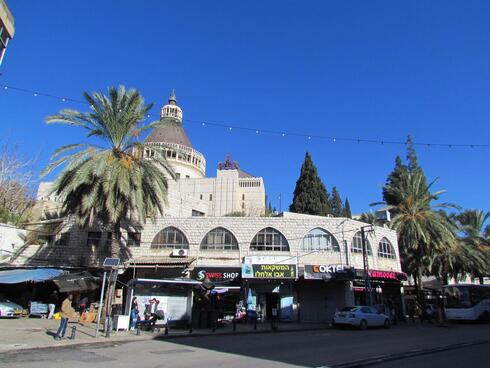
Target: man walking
{"x":66,"y":312}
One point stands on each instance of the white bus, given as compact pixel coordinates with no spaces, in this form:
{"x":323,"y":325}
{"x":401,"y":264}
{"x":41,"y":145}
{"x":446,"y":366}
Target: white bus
{"x":467,"y":302}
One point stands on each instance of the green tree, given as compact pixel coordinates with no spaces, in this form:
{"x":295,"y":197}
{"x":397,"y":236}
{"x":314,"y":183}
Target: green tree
{"x":393,"y":180}
{"x":346,"y":212}
{"x":336,"y":203}
{"x":310,"y":195}
{"x":109,"y":180}
{"x":422,"y":230}
{"x":476,"y":237}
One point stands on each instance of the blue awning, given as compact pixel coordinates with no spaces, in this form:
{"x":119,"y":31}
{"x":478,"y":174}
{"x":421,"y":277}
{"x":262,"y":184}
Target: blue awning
{"x":23,"y":275}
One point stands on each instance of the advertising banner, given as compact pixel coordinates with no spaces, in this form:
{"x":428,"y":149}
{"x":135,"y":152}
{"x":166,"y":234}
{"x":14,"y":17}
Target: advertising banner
{"x":269,"y":267}
{"x":326,"y":272}
{"x":217,"y":274}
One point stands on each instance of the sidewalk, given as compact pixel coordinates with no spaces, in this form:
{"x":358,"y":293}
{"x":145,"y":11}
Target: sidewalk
{"x":36,"y":333}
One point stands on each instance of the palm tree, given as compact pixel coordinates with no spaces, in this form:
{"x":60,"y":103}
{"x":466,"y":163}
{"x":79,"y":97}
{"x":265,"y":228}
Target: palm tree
{"x":422,"y":230}
{"x":107,"y":180}
{"x":477,"y":238}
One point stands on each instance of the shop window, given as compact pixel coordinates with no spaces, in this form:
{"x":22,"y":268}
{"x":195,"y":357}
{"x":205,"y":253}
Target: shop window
{"x":356,"y":246}
{"x":134,"y":239}
{"x":219,"y":239}
{"x":93,"y":238}
{"x":318,"y":240}
{"x":170,"y":238}
{"x":385,"y":249}
{"x":269,"y":239}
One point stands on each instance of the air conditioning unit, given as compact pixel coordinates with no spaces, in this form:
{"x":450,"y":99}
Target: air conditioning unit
{"x":179,"y":253}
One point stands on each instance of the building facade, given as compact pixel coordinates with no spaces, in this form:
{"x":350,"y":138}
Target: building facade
{"x":7,"y":28}
{"x":293,"y":266}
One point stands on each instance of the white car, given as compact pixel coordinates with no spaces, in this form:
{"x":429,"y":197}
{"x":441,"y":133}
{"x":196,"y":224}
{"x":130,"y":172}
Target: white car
{"x":9,"y":309}
{"x":362,"y":317}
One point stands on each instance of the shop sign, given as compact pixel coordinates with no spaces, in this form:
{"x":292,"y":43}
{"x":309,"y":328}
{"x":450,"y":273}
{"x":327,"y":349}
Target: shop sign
{"x":216,"y":274}
{"x":269,"y":267}
{"x":328,"y":271}
{"x":383,"y":275}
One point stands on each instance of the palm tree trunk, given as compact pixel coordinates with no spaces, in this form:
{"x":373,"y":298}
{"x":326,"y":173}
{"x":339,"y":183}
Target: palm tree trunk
{"x":115,"y":240}
{"x":420,"y":288}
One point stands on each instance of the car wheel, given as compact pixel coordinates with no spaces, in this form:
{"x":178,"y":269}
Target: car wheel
{"x":387,"y":323}
{"x":363,"y":324}
{"x":485,"y":317}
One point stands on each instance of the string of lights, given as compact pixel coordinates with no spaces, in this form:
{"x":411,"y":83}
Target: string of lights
{"x":233,"y":127}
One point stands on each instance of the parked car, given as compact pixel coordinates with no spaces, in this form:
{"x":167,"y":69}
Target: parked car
{"x":10,"y":309}
{"x":362,"y":317}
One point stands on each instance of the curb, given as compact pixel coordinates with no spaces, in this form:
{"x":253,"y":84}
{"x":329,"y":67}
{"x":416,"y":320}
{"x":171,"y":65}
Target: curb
{"x":398,"y":356}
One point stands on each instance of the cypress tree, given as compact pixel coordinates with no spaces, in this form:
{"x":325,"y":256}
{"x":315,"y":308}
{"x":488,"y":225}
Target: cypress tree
{"x":413,"y":164}
{"x":336,"y":203}
{"x":310,"y":195}
{"x":393,"y":180}
{"x":346,"y":211}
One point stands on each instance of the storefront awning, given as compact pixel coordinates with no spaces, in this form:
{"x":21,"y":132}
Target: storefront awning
{"x":23,"y":275}
{"x":83,"y":281}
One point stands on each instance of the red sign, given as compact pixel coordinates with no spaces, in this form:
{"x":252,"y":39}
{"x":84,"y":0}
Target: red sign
{"x":390,"y":275}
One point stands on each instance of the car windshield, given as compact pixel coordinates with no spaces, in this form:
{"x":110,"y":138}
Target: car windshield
{"x":348,"y":309}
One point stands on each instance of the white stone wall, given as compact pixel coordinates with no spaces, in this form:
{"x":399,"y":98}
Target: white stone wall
{"x":11,"y":239}
{"x":212,"y":196}
{"x":245,"y":228}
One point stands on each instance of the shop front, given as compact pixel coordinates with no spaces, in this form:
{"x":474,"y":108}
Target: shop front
{"x":219,"y":296}
{"x":386,"y":290}
{"x":322,"y":290}
{"x":269,"y":287}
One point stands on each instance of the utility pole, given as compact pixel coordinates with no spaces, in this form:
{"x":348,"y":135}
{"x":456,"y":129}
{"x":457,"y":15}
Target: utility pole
{"x":367,"y":278}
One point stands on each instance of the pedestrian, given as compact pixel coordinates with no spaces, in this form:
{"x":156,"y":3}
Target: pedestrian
{"x":134,"y":313}
{"x":52,"y":302}
{"x":66,"y":313}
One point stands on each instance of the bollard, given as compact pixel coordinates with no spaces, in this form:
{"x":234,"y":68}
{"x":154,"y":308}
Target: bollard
{"x":255,"y":324}
{"x":166,"y":329}
{"x":109,"y":327}
{"x":138,"y":331}
{"x":190,"y":328}
{"x":234,"y":325}
{"x":214,"y":326}
{"x":73,"y":332}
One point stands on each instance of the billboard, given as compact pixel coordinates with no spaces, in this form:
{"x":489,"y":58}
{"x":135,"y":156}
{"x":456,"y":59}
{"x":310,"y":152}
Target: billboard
{"x":269,"y":267}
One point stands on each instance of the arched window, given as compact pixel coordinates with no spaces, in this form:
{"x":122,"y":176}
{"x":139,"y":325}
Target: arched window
{"x":269,"y":239}
{"x":356,"y":246}
{"x":385,"y":249}
{"x":219,"y":239}
{"x":319,"y":239}
{"x":171,"y":238}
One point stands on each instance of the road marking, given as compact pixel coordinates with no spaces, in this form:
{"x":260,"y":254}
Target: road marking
{"x":398,"y":356}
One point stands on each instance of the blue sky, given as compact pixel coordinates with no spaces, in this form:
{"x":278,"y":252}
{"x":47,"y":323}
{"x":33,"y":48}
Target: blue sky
{"x":368,"y":69}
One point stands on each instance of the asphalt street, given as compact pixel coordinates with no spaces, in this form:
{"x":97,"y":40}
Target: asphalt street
{"x":304,"y":349}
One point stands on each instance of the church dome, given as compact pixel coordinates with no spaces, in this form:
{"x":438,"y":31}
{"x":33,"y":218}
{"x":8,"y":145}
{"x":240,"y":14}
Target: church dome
{"x":170,"y":133}
{"x":176,"y":145}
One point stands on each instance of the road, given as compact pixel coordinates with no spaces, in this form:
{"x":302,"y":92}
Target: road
{"x":291,"y":349}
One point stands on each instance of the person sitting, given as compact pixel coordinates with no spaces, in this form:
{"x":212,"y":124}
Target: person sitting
{"x":157,"y":314}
